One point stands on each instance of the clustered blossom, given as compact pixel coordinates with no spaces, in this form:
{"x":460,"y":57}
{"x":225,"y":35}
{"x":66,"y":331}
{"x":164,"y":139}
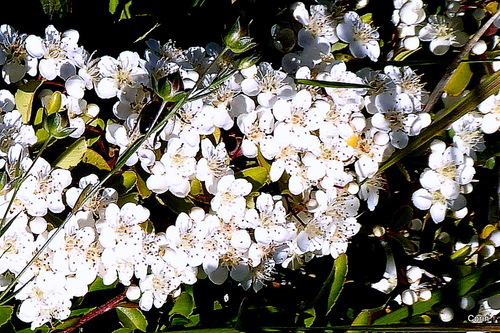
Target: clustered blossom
{"x":321,"y":146}
{"x":408,"y":16}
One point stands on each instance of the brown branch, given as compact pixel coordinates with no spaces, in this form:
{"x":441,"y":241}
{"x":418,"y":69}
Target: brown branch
{"x":111,"y":304}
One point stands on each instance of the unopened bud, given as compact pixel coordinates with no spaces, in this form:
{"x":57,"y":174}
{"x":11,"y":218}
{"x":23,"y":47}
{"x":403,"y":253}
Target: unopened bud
{"x":54,"y":104}
{"x":236,"y":40}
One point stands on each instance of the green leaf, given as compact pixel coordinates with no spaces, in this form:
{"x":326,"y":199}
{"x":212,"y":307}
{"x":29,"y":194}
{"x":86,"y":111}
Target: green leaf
{"x":461,"y":254}
{"x":459,"y":80}
{"x":311,"y":318}
{"x":403,"y":313}
{"x":339,"y":276}
{"x":123,"y":330}
{"x":42,"y":329}
{"x":95,"y":159}
{"x":132,"y":318}
{"x":330,"y":84}
{"x":257,"y":176}
{"x":99,"y":285}
{"x":51,"y":7}
{"x":402,"y":218}
{"x":5,"y":314}
{"x":183,"y":305}
{"x":113,"y":5}
{"x":362,"y":319}
{"x":24,"y":99}
{"x":73,"y":155}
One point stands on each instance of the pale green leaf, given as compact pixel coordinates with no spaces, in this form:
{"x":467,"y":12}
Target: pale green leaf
{"x":95,"y":159}
{"x":99,"y":285}
{"x":257,"y":176}
{"x":123,"y":330}
{"x":73,"y":155}
{"x":24,"y":99}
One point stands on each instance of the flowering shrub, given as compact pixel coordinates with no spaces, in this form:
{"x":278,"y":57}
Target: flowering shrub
{"x":211,"y":164}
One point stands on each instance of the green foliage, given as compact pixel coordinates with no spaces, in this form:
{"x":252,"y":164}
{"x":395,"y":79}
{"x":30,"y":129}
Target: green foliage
{"x":73,"y":155}
{"x":132,"y":318}
{"x":5,"y":314}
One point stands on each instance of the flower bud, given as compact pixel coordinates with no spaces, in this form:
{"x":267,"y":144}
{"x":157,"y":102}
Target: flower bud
{"x":236,"y":40}
{"x":170,"y":87}
{"x":54,"y":104}
{"x":57,"y":125}
{"x":248,"y":61}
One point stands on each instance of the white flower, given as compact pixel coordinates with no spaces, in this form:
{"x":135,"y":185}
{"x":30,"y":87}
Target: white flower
{"x":17,"y":245}
{"x":362,"y":38}
{"x":443,"y":32}
{"x":345,"y":99}
{"x":56,"y":52}
{"x":174,"y":170}
{"x":229,"y":201}
{"x":320,"y":24}
{"x":98,"y":202}
{"x":267,"y":84}
{"x":449,"y":169}
{"x":490,"y":107}
{"x":42,"y":189}
{"x":268,"y":219}
{"x":15,"y":60}
{"x":256,"y":126}
{"x":13,"y":132}
{"x":121,"y":236}
{"x":468,"y":137}
{"x":43,"y":299}
{"x":213,"y":165}
{"x":121,"y":76}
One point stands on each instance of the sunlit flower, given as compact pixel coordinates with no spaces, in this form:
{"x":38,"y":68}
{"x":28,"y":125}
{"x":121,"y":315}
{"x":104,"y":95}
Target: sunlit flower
{"x":443,"y":32}
{"x":362,"y":37}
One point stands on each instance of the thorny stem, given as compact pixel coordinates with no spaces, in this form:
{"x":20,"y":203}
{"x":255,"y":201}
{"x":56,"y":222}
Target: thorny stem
{"x":109,"y":305}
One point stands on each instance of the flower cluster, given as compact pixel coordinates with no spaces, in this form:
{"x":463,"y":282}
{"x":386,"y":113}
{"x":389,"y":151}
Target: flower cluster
{"x":271,"y":171}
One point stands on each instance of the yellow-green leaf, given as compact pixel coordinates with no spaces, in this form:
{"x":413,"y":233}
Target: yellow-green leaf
{"x":24,"y":99}
{"x":93,"y":158}
{"x":459,"y":80}
{"x":257,"y":176}
{"x":73,"y":155}
{"x":362,"y":319}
